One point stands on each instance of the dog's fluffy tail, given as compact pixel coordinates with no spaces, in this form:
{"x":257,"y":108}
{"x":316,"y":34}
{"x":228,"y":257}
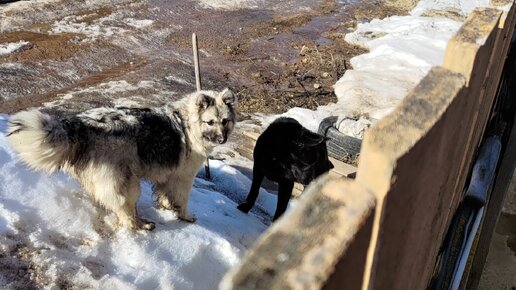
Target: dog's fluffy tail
{"x":40,"y":140}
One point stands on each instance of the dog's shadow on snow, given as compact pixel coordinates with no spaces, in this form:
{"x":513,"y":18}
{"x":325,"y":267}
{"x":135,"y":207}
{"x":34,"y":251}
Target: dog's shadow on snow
{"x":267,"y":184}
{"x":234,"y":183}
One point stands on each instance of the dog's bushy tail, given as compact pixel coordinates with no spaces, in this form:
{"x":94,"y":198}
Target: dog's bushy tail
{"x":40,"y":140}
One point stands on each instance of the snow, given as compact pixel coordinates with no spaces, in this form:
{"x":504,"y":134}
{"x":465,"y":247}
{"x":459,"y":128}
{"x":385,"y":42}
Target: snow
{"x":405,"y":48}
{"x":72,"y":240}
{"x":230,"y":4}
{"x":102,"y":27}
{"x":12,"y":47}
{"x":97,"y":29}
{"x":13,"y":16}
{"x":138,"y":23}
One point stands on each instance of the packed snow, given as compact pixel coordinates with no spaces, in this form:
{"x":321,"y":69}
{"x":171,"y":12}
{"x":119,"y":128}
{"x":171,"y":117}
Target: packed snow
{"x":71,"y":240}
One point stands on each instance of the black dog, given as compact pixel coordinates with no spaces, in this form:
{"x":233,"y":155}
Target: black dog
{"x":286,"y":152}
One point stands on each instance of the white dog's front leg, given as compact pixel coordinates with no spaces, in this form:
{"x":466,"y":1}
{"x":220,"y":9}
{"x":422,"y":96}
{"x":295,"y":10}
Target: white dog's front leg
{"x":180,"y":198}
{"x":175,"y":195}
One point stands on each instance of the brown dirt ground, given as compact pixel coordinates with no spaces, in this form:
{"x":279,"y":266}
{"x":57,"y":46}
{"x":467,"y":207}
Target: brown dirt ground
{"x":306,"y":79}
{"x":302,"y":74}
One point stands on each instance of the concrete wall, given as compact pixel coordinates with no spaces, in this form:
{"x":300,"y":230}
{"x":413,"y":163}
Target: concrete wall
{"x":384,"y":230}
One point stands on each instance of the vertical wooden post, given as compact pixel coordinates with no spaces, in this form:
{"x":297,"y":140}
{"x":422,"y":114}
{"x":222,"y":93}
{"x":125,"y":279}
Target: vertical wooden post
{"x":196,"y":62}
{"x":198,"y":85}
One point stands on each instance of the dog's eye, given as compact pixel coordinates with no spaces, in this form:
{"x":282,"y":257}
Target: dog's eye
{"x":224,"y":122}
{"x":210,"y":122}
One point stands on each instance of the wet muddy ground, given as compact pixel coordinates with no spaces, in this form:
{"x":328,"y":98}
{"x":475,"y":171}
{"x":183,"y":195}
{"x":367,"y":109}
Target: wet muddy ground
{"x":274,"y":54}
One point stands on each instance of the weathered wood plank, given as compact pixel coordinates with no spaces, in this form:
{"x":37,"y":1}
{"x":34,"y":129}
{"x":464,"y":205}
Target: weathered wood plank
{"x":329,"y":228}
{"x":469,"y":53}
{"x":411,"y":172}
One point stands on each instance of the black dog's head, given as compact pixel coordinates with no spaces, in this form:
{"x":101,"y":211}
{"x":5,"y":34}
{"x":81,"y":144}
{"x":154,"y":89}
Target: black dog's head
{"x":309,"y":155}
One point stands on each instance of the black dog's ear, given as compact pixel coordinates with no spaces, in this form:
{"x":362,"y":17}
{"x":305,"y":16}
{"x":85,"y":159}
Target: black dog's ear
{"x":203,"y":101}
{"x":309,"y":139}
{"x":228,"y":97}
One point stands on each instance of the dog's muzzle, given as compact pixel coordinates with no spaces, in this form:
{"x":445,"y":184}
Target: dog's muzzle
{"x":215,"y":138}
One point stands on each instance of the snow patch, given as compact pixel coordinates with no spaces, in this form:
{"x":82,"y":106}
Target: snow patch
{"x":405,"y":48}
{"x":137,"y":23}
{"x":178,"y":80}
{"x":104,"y":89}
{"x":12,"y":47}
{"x":230,"y":4}
{"x":97,"y":29}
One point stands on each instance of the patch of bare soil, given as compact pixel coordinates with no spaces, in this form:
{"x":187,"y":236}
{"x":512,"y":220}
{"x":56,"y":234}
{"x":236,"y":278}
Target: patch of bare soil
{"x":369,"y":10}
{"x":306,"y":82}
{"x":17,"y":104}
{"x":42,"y":47}
{"x":280,"y":62}
{"x":89,"y":16}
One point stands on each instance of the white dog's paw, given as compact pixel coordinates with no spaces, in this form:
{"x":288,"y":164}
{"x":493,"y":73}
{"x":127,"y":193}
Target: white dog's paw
{"x":187,"y":217}
{"x":143,"y":224}
{"x":136,"y":224}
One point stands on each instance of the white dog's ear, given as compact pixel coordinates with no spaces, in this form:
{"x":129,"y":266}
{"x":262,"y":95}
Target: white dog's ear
{"x":228,"y":97}
{"x":203,"y":101}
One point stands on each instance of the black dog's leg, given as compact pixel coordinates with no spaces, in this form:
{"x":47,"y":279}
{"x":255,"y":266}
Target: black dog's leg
{"x":284,"y":194}
{"x":253,"y":193}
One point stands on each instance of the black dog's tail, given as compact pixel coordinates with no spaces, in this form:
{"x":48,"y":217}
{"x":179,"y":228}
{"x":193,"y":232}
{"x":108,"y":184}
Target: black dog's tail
{"x":40,"y":140}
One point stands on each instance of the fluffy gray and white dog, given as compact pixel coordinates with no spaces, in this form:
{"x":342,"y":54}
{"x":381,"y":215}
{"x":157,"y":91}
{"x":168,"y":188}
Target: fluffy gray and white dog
{"x":109,"y":150}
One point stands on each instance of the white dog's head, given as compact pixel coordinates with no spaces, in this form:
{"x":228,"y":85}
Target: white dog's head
{"x":212,"y":116}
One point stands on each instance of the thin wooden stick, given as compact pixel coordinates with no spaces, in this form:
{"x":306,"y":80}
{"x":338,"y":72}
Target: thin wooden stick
{"x":196,"y":62}
{"x":198,"y":85}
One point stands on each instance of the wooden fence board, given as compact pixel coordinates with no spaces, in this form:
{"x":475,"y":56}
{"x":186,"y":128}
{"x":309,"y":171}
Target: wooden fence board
{"x":409,"y":172}
{"x":329,"y":228}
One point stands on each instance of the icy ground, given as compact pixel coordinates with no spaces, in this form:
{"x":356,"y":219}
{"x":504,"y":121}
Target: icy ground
{"x":50,"y":226}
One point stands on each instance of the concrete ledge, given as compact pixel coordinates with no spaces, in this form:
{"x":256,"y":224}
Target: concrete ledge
{"x":301,"y":250}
